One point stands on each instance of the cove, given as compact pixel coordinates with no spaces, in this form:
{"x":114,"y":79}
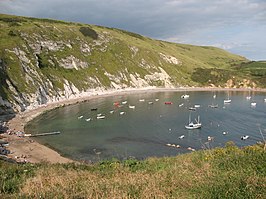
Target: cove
{"x":147,"y":130}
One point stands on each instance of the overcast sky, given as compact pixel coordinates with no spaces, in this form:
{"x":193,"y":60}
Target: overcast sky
{"x":238,"y":26}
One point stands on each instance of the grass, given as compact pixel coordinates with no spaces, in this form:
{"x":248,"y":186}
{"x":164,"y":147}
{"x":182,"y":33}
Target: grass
{"x":229,"y":172}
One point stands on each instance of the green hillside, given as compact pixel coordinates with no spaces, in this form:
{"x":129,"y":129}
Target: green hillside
{"x":219,"y":173}
{"x":44,"y":60}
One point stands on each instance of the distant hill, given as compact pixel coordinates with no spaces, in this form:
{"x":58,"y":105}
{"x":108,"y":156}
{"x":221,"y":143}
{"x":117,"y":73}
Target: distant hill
{"x":45,"y":60}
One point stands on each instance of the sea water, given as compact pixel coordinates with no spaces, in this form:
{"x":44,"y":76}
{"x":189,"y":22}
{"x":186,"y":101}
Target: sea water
{"x":148,"y":129}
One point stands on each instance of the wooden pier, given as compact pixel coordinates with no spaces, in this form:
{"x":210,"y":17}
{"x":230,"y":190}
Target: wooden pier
{"x":42,"y":134}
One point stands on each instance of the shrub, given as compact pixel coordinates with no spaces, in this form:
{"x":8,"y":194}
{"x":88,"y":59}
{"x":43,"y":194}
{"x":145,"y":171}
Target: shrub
{"x":88,"y":32}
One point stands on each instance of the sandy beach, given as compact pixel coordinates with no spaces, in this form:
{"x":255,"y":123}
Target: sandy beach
{"x":27,"y":150}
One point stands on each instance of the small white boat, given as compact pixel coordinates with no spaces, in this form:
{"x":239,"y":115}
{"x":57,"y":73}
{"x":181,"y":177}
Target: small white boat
{"x":124,"y":102}
{"x":180,"y":105}
{"x":150,"y":102}
{"x":181,"y":137}
{"x":213,"y":105}
{"x":227,"y":101}
{"x":101,"y":117}
{"x":112,"y":111}
{"x":80,"y":117}
{"x":214,"y":96}
{"x":265,"y":100}
{"x":131,"y":106}
{"x":156,"y":100}
{"x":191,"y":125}
{"x":248,"y":97}
{"x":185,"y":96}
{"x":210,"y":138}
{"x":88,"y":119}
{"x":122,"y":113}
{"x":142,"y":100}
{"x":244,"y":137}
{"x":253,"y":104}
{"x":191,"y":149}
{"x":192,"y":108}
{"x":99,"y":114}
{"x":197,"y":106}
{"x":225,"y":133}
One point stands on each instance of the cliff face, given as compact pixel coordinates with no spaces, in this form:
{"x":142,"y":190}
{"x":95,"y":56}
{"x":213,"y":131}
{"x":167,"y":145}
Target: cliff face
{"x":44,"y":61}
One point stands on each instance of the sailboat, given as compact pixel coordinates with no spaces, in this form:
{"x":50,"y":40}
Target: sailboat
{"x":249,"y":96}
{"x":227,"y":101}
{"x":191,"y":125}
{"x":213,"y":105}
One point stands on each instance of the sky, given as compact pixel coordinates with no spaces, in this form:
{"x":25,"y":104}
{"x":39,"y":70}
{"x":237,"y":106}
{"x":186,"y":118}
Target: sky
{"x":238,"y":26}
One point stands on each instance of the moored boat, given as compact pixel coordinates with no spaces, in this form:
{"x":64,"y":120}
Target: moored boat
{"x":191,"y":125}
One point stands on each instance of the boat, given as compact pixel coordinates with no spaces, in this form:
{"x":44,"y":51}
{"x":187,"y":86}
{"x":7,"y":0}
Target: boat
{"x":213,"y":105}
{"x":192,"y":108}
{"x":181,"y":137}
{"x":88,"y":119}
{"x":197,"y":106}
{"x":124,"y":102}
{"x":156,"y":100}
{"x":249,"y":96}
{"x":142,"y":100}
{"x":227,"y":101}
{"x":225,"y":132}
{"x":210,"y":138}
{"x":185,"y":96}
{"x":122,"y":113}
{"x":101,"y":117}
{"x":94,"y":109}
{"x":80,"y":117}
{"x":253,"y":104}
{"x":168,"y":103}
{"x":191,"y":125}
{"x":244,"y":137}
{"x":265,"y":100}
{"x":111,"y":111}
{"x":131,"y":106}
{"x":150,"y":102}
{"x":180,"y":105}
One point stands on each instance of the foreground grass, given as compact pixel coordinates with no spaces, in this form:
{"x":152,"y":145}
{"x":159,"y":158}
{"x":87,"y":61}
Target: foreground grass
{"x":219,"y":173}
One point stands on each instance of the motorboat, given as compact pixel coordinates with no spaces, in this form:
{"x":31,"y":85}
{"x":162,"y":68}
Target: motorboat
{"x":244,"y":137}
{"x":253,"y":104}
{"x":213,"y":105}
{"x":101,"y":117}
{"x":227,"y":101}
{"x":168,"y":103}
{"x":124,"y":102}
{"x":186,"y":96}
{"x":131,"y":106}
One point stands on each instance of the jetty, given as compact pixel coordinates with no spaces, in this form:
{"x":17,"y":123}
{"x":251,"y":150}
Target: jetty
{"x":42,"y":134}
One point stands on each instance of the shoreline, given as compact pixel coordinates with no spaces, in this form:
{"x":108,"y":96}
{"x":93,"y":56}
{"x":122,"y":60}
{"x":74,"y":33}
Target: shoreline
{"x":24,"y":149}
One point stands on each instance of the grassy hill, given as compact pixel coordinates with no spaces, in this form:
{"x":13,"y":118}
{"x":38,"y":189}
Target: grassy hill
{"x":228,"y":172}
{"x":45,"y":60}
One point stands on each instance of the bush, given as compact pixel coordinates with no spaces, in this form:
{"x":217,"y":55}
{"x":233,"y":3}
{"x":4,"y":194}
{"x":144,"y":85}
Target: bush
{"x":88,"y":32}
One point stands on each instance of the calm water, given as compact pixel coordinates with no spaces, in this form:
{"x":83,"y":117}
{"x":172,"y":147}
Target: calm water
{"x":144,"y":131}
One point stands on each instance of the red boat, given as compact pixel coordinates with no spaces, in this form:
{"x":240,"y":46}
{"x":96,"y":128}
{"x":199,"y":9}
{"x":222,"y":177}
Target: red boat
{"x":168,"y":103}
{"x":116,"y":103}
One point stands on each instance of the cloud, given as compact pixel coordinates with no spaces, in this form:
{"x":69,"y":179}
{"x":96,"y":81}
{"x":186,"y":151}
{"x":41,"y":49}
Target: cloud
{"x":193,"y":21}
